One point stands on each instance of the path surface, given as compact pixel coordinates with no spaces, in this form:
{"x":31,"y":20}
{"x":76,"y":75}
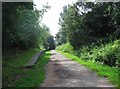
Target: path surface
{"x":63,"y":72}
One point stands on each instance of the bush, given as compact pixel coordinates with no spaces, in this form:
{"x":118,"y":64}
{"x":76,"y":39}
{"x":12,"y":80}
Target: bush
{"x":108,"y":54}
{"x":105,"y":54}
{"x":65,"y":48}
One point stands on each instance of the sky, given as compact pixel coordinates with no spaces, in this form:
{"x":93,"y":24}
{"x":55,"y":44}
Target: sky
{"x":51,"y":17}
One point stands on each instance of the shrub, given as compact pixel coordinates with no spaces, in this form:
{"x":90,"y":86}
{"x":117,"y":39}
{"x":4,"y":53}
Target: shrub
{"x":105,"y":54}
{"x":108,"y":54}
{"x":65,"y":48}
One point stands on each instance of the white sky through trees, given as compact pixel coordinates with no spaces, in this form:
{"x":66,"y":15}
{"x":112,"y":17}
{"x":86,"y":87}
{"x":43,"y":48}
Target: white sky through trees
{"x":51,"y":17}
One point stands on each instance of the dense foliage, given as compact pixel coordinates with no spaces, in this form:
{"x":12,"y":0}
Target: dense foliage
{"x":91,"y":29}
{"x":108,"y":54}
{"x":22,"y":27}
{"x":89,"y":23}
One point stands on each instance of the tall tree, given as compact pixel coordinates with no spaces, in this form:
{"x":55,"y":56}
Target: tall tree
{"x":21,"y":25}
{"x":87,"y":23}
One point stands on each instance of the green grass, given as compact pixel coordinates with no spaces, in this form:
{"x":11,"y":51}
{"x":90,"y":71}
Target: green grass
{"x":102,"y":70}
{"x":14,"y":75}
{"x":13,"y":63}
{"x":35,"y":76}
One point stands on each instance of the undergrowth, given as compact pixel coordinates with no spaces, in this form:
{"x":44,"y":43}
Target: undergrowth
{"x":108,"y":54}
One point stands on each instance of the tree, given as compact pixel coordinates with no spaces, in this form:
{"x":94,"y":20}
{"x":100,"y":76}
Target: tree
{"x":21,"y":25}
{"x":51,"y":43}
{"x":60,"y":38}
{"x":87,"y":23}
{"x":45,"y":35}
{"x":69,"y":24}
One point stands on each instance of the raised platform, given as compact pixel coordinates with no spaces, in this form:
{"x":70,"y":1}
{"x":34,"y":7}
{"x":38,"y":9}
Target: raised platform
{"x":33,"y":59}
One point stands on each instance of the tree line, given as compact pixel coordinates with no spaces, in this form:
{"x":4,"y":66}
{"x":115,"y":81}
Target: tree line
{"x":22,"y":26}
{"x":86,"y":23}
{"x":90,"y":24}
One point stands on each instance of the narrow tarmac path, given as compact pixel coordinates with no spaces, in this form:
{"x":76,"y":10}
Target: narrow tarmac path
{"x":63,"y":72}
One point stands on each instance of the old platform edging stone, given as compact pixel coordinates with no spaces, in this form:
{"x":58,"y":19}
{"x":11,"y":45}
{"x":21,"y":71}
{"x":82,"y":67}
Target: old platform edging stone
{"x":33,"y":59}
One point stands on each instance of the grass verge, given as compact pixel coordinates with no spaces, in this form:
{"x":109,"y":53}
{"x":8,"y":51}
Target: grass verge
{"x":102,"y":70}
{"x":14,"y":75}
{"x":12,"y":64}
{"x":35,"y":76}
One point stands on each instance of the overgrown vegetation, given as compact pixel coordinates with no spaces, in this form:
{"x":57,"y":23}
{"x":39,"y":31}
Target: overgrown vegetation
{"x":92,"y":30}
{"x":15,"y":75}
{"x":108,"y":54}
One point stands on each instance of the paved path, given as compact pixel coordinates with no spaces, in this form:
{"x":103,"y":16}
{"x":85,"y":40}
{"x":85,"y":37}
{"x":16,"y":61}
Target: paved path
{"x":63,"y":72}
